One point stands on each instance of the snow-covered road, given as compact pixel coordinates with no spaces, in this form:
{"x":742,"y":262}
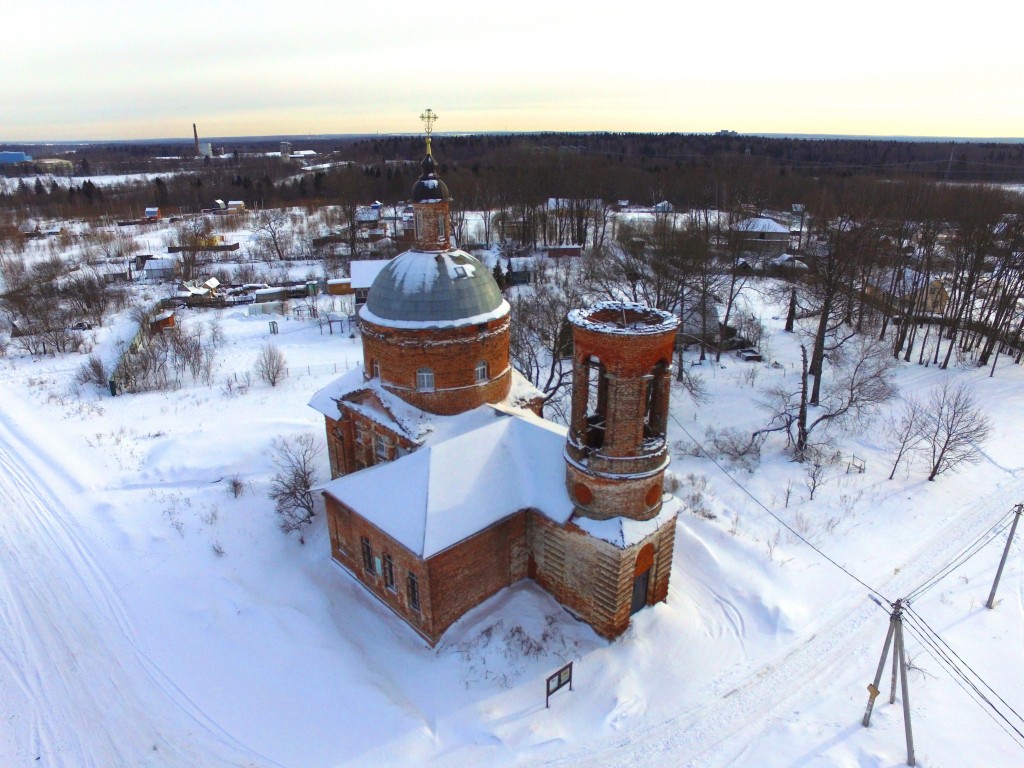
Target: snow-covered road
{"x":83,"y":693}
{"x":730,"y":727}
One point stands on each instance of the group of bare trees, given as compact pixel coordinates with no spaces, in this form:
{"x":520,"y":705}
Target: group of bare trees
{"x":47,"y":304}
{"x":157,"y":361}
{"x":948,"y":429}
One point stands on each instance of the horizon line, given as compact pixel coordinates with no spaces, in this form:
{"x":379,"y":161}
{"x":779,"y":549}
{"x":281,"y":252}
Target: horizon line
{"x":397,"y":134}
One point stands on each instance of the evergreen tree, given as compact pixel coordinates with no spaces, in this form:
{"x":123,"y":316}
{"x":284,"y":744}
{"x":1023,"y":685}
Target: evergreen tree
{"x":499,"y":276}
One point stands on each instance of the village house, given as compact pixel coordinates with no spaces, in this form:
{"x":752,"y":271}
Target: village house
{"x":364,"y":272}
{"x":762,"y":236}
{"x":447,"y":486}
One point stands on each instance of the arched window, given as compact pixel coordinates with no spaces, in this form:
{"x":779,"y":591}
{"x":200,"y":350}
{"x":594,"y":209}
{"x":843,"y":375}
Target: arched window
{"x":656,"y":401}
{"x":425,"y":380}
{"x":481,"y":372}
{"x":596,"y":388}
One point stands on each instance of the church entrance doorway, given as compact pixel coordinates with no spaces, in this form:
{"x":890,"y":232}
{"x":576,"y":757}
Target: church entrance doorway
{"x":640,"y":584}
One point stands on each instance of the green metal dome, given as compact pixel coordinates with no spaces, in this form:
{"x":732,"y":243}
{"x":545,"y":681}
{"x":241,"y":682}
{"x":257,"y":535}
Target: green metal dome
{"x":427,"y":289}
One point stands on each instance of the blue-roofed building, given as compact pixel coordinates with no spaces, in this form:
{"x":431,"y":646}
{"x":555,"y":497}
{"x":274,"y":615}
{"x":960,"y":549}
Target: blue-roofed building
{"x":10,"y":158}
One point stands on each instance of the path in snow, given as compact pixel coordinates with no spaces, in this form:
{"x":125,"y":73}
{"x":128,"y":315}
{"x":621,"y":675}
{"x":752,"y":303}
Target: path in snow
{"x":720,"y":731}
{"x":76,"y":689}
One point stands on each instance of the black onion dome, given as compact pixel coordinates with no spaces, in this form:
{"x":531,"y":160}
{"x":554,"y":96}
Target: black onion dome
{"x":428,"y":187}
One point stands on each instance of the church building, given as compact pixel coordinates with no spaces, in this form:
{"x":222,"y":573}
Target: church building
{"x":447,"y":486}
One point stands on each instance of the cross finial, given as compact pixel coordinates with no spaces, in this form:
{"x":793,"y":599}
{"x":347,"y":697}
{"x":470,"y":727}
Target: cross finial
{"x":429,"y":117}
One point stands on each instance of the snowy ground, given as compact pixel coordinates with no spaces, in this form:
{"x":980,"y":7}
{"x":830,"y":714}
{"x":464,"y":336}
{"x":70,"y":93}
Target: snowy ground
{"x":150,"y":617}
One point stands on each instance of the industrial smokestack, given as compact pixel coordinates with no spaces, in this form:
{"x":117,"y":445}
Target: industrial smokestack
{"x":195,"y":133}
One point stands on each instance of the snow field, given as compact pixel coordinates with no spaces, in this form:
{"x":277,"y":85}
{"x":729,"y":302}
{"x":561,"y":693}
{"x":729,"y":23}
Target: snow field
{"x":124,"y":629}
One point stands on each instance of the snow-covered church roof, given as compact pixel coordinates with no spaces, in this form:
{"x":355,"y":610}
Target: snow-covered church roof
{"x":427,"y":289}
{"x":456,"y":487}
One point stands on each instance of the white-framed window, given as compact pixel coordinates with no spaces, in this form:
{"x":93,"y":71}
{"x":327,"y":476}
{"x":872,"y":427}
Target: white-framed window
{"x":389,"y":572}
{"x":360,"y":434}
{"x":440,"y":228}
{"x":481,"y":372}
{"x":380,"y":446}
{"x":376,"y":369}
{"x":425,"y":380}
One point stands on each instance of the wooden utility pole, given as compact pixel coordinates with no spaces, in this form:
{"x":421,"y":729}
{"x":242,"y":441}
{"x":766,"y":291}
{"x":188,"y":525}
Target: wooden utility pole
{"x":893,"y":637}
{"x":1006,"y":551}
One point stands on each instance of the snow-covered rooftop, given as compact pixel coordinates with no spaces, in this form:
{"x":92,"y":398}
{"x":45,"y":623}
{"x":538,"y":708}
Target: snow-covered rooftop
{"x":761,"y":224}
{"x":456,"y":487}
{"x":364,"y":271}
{"x":428,"y":289}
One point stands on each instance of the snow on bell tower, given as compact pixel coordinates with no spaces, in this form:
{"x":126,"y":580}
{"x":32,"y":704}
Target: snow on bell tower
{"x":616,"y":451}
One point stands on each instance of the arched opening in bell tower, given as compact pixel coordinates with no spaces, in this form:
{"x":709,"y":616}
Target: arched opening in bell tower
{"x":597,"y":401}
{"x":656,"y":401}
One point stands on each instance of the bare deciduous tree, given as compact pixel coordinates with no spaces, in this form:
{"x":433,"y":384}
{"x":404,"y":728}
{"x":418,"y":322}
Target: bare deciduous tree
{"x":955,"y":427}
{"x":291,"y":487}
{"x":270,"y":364}
{"x":819,"y":460}
{"x":541,"y":340}
{"x":92,"y":371}
{"x":273,"y":230}
{"x":860,"y":384}
{"x":905,"y":430}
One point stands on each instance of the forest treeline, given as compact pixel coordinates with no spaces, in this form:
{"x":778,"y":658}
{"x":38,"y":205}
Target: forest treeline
{"x":685,"y":170}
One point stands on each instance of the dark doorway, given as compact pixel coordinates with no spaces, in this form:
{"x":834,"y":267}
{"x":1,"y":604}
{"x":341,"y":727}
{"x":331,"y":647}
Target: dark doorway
{"x":640,"y":583}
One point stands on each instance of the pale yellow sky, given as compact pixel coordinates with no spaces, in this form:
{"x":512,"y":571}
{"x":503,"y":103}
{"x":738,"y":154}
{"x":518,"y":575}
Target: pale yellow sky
{"x":112,"y":69}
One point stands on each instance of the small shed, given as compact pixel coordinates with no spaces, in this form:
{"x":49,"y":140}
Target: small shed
{"x":152,"y":214}
{"x":364,"y":272}
{"x":157,"y":269}
{"x":558,"y":251}
{"x":161,"y":322}
{"x":339,"y":286}
{"x":522,"y":270}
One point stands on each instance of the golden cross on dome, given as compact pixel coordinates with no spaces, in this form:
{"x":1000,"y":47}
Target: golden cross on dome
{"x":429,"y":117}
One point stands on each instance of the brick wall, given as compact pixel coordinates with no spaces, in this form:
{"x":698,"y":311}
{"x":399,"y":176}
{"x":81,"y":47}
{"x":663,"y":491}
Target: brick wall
{"x":452,"y":354}
{"x":602,"y":498}
{"x":433,"y":226}
{"x":465,"y":575}
{"x":590,"y":577}
{"x":593,"y":578}
{"x":346,"y":529}
{"x":353,"y":441}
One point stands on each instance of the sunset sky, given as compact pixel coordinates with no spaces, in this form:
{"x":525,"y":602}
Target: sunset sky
{"x":118,"y":70}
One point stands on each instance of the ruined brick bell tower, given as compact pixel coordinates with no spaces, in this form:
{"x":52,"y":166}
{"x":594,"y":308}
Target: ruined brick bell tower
{"x":616,"y":452}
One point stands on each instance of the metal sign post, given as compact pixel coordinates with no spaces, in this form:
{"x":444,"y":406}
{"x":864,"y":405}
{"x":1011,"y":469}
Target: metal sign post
{"x":561,"y":678}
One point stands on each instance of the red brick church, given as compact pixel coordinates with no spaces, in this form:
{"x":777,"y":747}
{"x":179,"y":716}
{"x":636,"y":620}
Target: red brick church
{"x":447,"y":486}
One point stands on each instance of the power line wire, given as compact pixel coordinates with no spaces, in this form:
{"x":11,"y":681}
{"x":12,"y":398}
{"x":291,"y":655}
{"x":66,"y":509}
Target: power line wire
{"x":957,"y":677}
{"x":966,"y":554}
{"x":917,"y":617}
{"x":782,"y":522}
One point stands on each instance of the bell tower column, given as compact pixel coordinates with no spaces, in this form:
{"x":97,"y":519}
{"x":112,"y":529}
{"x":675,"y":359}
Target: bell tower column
{"x":616,"y":451}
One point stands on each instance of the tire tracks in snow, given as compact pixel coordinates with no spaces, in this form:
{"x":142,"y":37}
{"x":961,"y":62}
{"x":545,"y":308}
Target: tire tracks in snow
{"x":710,"y":733}
{"x":76,"y":689}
